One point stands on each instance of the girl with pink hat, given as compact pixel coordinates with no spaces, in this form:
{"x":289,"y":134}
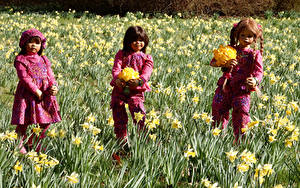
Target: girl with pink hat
{"x":35,"y":101}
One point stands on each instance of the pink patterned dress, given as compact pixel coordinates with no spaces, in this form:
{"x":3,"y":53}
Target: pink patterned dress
{"x":34,"y":72}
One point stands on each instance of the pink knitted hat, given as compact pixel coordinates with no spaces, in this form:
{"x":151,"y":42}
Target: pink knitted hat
{"x":27,"y":35}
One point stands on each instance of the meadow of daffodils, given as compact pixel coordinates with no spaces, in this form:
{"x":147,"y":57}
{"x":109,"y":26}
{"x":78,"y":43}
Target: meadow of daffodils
{"x":180,"y":149}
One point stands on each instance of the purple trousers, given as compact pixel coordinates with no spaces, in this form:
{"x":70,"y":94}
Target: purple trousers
{"x":135,"y":103}
{"x":223,"y":102}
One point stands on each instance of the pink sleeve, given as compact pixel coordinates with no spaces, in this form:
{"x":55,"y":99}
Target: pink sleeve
{"x":25,"y":78}
{"x":258,"y":67}
{"x":50,"y":73}
{"x":117,"y":68}
{"x":147,"y":69}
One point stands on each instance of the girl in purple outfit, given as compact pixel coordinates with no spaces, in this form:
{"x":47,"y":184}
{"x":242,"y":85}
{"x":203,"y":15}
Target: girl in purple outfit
{"x":35,"y":101}
{"x":132,"y":55}
{"x":240,"y":76}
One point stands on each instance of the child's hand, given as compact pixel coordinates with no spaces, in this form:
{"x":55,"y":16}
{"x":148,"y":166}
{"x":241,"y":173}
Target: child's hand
{"x":133,"y":83}
{"x":39,"y":94}
{"x":231,"y":63}
{"x":53,"y":90}
{"x":120,"y":83}
{"x":251,"y":82}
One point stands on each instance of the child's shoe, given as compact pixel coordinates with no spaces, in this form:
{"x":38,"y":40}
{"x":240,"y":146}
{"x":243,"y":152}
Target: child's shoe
{"x":116,"y":158}
{"x":22,"y":148}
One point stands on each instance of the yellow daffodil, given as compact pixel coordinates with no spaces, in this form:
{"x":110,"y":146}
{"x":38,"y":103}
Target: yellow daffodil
{"x":252,"y":124}
{"x":110,"y":121}
{"x":52,"y":133}
{"x":265,"y":97}
{"x":243,"y":167}
{"x":257,"y":170}
{"x":11,"y":135}
{"x":151,"y":125}
{"x":18,"y":167}
{"x":38,"y":168}
{"x":189,"y":153}
{"x":288,"y":112}
{"x":209,"y":119}
{"x":98,"y":147}
{"x":245,"y":129}
{"x":73,"y":178}
{"x":272,"y":139}
{"x":91,"y":118}
{"x":156,"y":121}
{"x":128,"y":73}
{"x":294,"y":106}
{"x":195,"y":99}
{"x":152,"y":113}
{"x":61,"y":133}
{"x":76,"y":140}
{"x":223,"y":54}
{"x":295,"y":135}
{"x":205,"y":182}
{"x":42,"y":161}
{"x":37,"y":130}
{"x":216,"y":131}
{"x":260,"y":106}
{"x":196,"y":116}
{"x":168,"y":114}
{"x":34,"y":186}
{"x":152,"y":137}
{"x":176,"y":124}
{"x":138,"y":116}
{"x":86,"y":125}
{"x":31,"y":155}
{"x":273,"y":131}
{"x":52,"y":162}
{"x":283,"y":121}
{"x":215,"y":185}
{"x":43,"y":155}
{"x":232,"y":155}
{"x":267,"y":170}
{"x":248,"y":157}
{"x":261,"y":179}
{"x":204,"y":115}
{"x":289,"y":127}
{"x":236,"y":185}
{"x":36,"y":159}
{"x":288,"y":143}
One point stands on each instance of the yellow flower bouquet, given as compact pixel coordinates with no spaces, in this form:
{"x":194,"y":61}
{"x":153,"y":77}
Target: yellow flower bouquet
{"x":223,"y":54}
{"x":128,"y":73}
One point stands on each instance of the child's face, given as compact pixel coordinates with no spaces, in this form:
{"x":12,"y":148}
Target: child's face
{"x":137,"y":45}
{"x":33,"y":46}
{"x":246,"y":38}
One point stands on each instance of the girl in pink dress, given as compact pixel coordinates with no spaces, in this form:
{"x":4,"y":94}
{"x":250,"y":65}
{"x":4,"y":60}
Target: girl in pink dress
{"x":35,"y":101}
{"x":240,"y":76}
{"x":132,"y":55}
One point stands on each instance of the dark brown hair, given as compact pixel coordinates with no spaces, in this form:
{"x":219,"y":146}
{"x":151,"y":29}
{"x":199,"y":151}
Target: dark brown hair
{"x":23,"y":49}
{"x":250,"y":25}
{"x":132,"y":34}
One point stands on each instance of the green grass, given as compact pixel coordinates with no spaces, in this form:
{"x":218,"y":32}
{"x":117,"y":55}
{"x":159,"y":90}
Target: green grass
{"x":82,"y":50}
